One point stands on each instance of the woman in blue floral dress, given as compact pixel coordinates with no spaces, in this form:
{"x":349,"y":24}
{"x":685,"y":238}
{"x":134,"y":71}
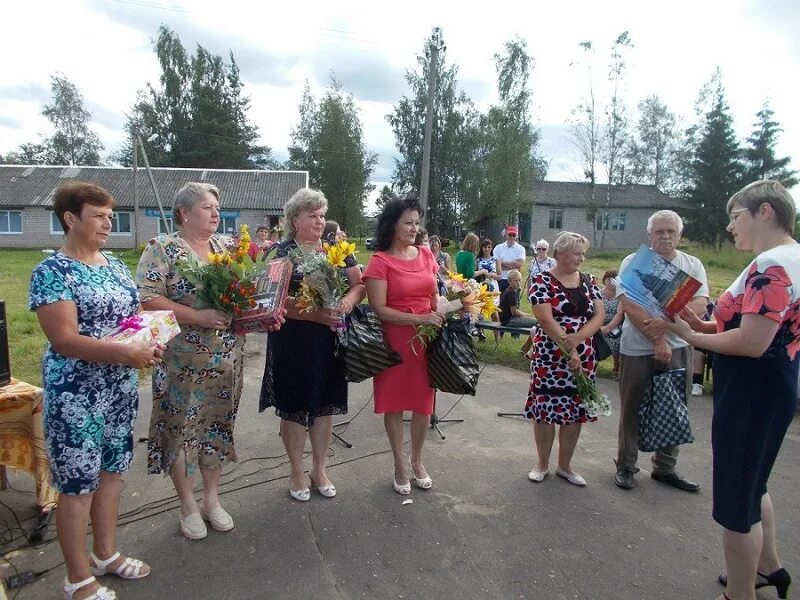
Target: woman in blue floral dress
{"x":90,"y":386}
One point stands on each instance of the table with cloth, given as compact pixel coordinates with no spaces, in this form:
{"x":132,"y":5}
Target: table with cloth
{"x":22,"y":444}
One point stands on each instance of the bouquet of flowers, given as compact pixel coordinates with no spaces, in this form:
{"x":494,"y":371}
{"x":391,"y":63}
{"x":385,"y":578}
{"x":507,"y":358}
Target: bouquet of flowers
{"x":323,"y":284}
{"x":594,"y":403}
{"x":227,"y":283}
{"x":464,"y":296}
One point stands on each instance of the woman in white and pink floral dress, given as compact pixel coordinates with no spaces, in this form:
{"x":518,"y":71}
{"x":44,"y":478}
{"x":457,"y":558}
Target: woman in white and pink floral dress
{"x":756,"y":345}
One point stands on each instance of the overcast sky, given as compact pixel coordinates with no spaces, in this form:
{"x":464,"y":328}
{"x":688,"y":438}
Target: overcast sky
{"x":105,"y":48}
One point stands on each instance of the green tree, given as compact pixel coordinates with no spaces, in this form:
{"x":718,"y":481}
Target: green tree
{"x":616,"y":136}
{"x":384,"y":196}
{"x":455,"y":141}
{"x":72,"y":143}
{"x":197,"y":117}
{"x":31,"y":153}
{"x":587,"y":137}
{"x":716,"y":170}
{"x":652,"y":151}
{"x":512,"y":162}
{"x":328,"y":142}
{"x":759,"y":155}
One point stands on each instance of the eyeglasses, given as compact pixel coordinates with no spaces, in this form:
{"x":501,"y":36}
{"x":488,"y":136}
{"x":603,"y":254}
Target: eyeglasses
{"x":541,"y":249}
{"x":511,"y":234}
{"x":735,"y":214}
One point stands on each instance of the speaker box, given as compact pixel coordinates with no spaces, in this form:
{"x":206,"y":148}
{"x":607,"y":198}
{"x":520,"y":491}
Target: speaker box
{"x":5,"y":364}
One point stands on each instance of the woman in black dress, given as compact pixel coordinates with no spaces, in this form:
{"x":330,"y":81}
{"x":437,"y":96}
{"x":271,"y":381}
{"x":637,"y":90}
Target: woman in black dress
{"x":302,"y":378}
{"x":756,"y":343}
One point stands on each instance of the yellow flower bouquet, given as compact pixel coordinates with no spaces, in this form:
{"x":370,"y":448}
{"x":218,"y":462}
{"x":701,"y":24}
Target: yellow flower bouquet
{"x":228,"y":281}
{"x":462,"y":297}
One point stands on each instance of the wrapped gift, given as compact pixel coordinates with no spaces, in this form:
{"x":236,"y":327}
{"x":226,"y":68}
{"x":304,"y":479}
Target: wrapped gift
{"x":153,"y":326}
{"x":272,"y":286}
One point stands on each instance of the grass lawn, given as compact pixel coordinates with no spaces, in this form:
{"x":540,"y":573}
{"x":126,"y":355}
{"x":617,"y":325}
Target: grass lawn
{"x":26,"y":341}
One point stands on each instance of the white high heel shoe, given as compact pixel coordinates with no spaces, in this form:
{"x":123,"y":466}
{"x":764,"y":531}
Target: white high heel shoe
{"x":423,"y":483}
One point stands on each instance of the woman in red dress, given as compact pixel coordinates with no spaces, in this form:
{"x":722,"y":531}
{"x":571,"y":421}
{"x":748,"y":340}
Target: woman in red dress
{"x":401,"y":287}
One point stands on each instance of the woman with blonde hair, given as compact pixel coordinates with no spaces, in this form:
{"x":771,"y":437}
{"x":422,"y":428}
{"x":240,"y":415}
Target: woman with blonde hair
{"x":302,"y":378}
{"x":568,"y":307}
{"x":755,"y":339}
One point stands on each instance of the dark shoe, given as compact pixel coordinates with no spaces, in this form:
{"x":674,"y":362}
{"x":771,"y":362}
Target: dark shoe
{"x":624,"y":479}
{"x":780,"y":579}
{"x":676,"y":481}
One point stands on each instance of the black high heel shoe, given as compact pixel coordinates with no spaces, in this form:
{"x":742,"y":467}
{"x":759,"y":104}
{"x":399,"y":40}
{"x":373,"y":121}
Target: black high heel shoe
{"x":780,"y":579}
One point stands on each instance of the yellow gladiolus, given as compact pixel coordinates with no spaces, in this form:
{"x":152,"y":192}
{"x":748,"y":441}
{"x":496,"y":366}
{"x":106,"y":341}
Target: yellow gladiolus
{"x":455,"y":276}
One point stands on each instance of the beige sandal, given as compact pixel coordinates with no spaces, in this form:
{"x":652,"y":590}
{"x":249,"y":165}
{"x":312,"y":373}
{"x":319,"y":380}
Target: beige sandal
{"x":101,"y":593}
{"x":130,"y":568}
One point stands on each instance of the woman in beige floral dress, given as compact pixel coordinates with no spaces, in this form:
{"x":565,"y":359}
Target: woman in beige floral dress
{"x":196,"y":388}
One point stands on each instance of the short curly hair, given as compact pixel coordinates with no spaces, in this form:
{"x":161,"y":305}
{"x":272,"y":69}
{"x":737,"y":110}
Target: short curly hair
{"x":390,"y":215}
{"x":304,"y":199}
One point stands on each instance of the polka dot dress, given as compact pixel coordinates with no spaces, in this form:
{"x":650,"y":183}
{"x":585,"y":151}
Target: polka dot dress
{"x":552,"y":396}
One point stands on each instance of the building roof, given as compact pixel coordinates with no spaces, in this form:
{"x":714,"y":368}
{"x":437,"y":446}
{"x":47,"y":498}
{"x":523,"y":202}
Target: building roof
{"x":22,"y":186}
{"x":569,"y":193}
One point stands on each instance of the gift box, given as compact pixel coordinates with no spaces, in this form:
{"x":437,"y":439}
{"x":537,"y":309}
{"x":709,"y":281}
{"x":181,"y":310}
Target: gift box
{"x":153,"y":326}
{"x":272,"y":286}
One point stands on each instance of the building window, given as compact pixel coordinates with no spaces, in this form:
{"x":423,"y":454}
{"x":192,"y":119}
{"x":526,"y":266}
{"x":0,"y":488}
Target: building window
{"x":556,"y":218}
{"x":121,"y":222}
{"x":612,"y":221}
{"x":10,"y":221}
{"x":163,"y":230}
{"x":227,"y":225}
{"x":55,"y":225}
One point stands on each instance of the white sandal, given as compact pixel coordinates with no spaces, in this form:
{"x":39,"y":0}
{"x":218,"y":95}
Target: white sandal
{"x":101,"y":593}
{"x":423,"y":483}
{"x":130,"y":568}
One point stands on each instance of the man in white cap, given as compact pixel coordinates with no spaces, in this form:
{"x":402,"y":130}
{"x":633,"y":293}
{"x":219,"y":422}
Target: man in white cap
{"x":510,"y":255}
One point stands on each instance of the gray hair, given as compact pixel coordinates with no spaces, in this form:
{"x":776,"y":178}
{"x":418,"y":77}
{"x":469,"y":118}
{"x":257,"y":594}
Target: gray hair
{"x":189,"y":195}
{"x":543,"y":242}
{"x":771,"y":192}
{"x":567,"y":240}
{"x":665,"y":215}
{"x":304,"y":200}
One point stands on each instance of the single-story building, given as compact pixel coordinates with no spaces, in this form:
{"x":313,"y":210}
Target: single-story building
{"x":555,"y":206}
{"x":27,"y":220}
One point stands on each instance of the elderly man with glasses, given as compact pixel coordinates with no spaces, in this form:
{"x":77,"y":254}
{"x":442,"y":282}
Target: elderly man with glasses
{"x":510,"y":255}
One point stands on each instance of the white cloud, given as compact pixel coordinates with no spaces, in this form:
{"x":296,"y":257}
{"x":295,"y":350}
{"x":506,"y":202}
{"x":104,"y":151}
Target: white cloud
{"x":104,"y":46}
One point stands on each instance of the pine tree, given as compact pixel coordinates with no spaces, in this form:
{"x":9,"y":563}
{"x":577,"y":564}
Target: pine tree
{"x":197,"y":117}
{"x":328,"y":142}
{"x":716,"y":171}
{"x":759,"y":155}
{"x":511,"y":157}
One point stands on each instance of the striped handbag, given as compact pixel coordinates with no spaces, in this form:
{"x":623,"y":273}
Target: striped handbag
{"x":360,"y":347}
{"x":452,"y":360}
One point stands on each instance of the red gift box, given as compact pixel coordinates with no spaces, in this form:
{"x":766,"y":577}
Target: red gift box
{"x":272,"y":286}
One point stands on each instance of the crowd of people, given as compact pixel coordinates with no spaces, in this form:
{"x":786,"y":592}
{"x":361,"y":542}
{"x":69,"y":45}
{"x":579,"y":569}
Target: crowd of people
{"x":81,"y":293}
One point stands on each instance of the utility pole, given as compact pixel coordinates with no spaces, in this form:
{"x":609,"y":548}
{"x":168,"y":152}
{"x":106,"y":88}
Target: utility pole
{"x":135,"y":190}
{"x":167,"y":228}
{"x":433,"y":68}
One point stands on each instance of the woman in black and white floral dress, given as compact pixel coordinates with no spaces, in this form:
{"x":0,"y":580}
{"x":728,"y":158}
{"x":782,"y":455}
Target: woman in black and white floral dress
{"x":568,"y":307}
